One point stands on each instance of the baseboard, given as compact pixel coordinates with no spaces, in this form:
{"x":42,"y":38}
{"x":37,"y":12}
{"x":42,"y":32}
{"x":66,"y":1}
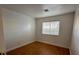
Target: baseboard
{"x":31,"y":42}
{"x":52,"y":44}
{"x":18,"y":46}
{"x":70,"y":52}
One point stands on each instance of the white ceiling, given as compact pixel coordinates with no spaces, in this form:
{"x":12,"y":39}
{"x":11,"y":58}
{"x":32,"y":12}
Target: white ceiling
{"x":37,"y":10}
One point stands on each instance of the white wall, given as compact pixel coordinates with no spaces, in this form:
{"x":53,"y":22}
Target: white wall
{"x":66,"y":23}
{"x":19,"y":29}
{"x":75,"y":37}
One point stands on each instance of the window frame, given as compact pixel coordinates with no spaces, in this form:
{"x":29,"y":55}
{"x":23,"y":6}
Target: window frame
{"x":51,"y":22}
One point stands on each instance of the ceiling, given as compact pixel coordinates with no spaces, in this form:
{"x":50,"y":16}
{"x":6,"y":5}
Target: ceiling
{"x":37,"y":10}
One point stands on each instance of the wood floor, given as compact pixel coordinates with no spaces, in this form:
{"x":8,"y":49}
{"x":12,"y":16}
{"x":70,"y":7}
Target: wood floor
{"x":38,"y":48}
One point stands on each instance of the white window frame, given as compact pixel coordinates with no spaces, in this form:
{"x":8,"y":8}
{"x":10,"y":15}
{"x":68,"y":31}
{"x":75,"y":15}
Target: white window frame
{"x":49,"y":27}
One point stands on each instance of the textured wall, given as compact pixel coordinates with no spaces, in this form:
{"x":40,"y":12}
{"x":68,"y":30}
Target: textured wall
{"x":66,"y":23}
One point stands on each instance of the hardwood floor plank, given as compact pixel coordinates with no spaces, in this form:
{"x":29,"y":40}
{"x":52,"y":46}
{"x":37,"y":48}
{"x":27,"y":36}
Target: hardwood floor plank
{"x":39,"y":48}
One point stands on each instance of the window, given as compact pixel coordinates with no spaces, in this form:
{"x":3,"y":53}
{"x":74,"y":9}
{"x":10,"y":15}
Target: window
{"x":51,"y":28}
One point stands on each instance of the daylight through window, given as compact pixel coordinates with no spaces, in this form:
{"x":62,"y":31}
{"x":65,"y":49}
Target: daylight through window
{"x":51,"y":28}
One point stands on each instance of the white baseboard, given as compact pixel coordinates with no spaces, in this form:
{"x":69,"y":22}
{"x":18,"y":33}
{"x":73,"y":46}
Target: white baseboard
{"x":18,"y":46}
{"x":29,"y":43}
{"x":52,"y":44}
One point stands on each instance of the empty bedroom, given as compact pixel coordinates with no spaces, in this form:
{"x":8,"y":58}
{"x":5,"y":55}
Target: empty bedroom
{"x":39,"y":29}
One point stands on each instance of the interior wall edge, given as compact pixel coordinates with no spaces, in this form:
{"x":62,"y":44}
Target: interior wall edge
{"x":16,"y":11}
{"x":18,"y":46}
{"x":53,"y":44}
{"x":54,"y":15}
{"x":2,"y":32}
